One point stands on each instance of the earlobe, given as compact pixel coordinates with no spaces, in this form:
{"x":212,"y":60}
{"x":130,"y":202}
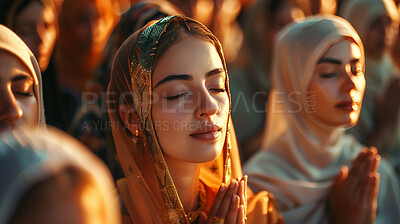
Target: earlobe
{"x":129,"y":117}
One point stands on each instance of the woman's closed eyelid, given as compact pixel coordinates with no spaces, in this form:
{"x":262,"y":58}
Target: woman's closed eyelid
{"x":176,"y":96}
{"x":23,"y":88}
{"x":220,"y":90}
{"x":328,"y":75}
{"x":27,"y":94}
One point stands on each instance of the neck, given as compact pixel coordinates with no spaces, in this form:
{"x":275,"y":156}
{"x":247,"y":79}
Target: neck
{"x":320,"y":146}
{"x":74,"y":72}
{"x":186,"y":179}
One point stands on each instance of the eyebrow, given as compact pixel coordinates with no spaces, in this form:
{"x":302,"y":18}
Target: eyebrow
{"x":21,"y":77}
{"x":336,"y":61}
{"x":174,"y":77}
{"x":215,"y":72}
{"x":187,"y":77}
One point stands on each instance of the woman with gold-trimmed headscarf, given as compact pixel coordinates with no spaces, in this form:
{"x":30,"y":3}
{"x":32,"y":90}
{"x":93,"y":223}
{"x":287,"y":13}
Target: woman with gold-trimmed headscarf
{"x":168,"y":102}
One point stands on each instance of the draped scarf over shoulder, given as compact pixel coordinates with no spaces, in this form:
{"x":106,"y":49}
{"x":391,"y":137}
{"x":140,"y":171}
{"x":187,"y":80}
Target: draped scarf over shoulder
{"x":301,"y":155}
{"x":11,"y":43}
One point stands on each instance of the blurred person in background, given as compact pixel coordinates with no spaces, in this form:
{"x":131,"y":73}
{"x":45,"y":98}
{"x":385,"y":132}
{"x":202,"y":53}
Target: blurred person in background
{"x":396,"y":47}
{"x":48,"y":177}
{"x":84,"y":27}
{"x":377,"y":23}
{"x":91,"y":123}
{"x":35,"y":22}
{"x":220,"y":16}
{"x":314,"y":7}
{"x":250,"y":79}
{"x":21,"y":100}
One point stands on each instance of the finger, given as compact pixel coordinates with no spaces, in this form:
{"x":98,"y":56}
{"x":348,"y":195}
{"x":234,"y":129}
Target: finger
{"x":376,"y":164}
{"x":373,"y":188}
{"x":355,"y":166}
{"x":338,"y":188}
{"x":241,"y":219}
{"x":375,"y":160}
{"x":218,"y":200}
{"x":241,"y":192}
{"x":233,"y":211}
{"x":341,"y":176}
{"x":226,"y":201}
{"x":245,"y":193}
{"x":372,"y":195}
{"x":357,"y":175}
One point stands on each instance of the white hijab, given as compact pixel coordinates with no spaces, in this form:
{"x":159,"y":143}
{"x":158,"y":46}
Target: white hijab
{"x":11,"y":43}
{"x":28,"y":157}
{"x":301,"y":155}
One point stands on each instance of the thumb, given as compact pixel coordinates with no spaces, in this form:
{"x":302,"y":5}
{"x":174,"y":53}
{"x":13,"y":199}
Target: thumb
{"x":202,"y":218}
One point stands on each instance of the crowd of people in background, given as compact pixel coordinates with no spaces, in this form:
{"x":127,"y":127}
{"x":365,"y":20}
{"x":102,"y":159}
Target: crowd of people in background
{"x":200,"y":111}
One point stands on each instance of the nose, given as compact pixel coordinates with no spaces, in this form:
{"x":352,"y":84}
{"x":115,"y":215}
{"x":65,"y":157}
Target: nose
{"x":39,"y":32}
{"x":207,"y":105}
{"x":347,"y":79}
{"x":10,"y":111}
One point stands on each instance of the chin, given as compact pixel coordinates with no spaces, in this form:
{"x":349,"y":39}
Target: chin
{"x":207,"y":155}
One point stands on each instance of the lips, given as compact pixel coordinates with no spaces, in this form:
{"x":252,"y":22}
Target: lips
{"x":209,"y":133}
{"x":347,"y":106}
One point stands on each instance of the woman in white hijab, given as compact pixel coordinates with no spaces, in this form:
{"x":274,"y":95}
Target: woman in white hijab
{"x":377,"y":22}
{"x":20,"y":84}
{"x":318,"y":85}
{"x":48,"y":177}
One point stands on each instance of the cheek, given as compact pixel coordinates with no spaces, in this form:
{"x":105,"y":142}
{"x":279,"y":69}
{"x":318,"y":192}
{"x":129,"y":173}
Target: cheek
{"x":223,"y":106}
{"x":50,"y":37}
{"x":29,"y":107}
{"x":322,"y":99}
{"x":360,"y":83}
{"x":319,"y":93}
{"x":359,"y":89}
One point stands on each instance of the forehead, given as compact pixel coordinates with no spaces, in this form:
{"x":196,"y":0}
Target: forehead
{"x":36,"y":11}
{"x":344,"y":50}
{"x":10,"y":65}
{"x":192,"y":56}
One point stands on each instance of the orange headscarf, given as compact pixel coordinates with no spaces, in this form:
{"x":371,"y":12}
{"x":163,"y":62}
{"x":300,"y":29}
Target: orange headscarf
{"x":148,"y":190}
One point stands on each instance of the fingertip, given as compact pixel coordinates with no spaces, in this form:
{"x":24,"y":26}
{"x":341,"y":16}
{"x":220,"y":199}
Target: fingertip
{"x":223,"y":188}
{"x":374,"y":175}
{"x":374,"y":150}
{"x":233,"y":184}
{"x":344,"y":170}
{"x":235,"y":198}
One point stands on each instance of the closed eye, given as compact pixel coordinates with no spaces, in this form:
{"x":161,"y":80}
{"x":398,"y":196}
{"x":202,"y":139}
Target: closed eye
{"x":176,"y":96}
{"x":24,"y":94}
{"x":328,"y":75}
{"x":219,"y":90}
